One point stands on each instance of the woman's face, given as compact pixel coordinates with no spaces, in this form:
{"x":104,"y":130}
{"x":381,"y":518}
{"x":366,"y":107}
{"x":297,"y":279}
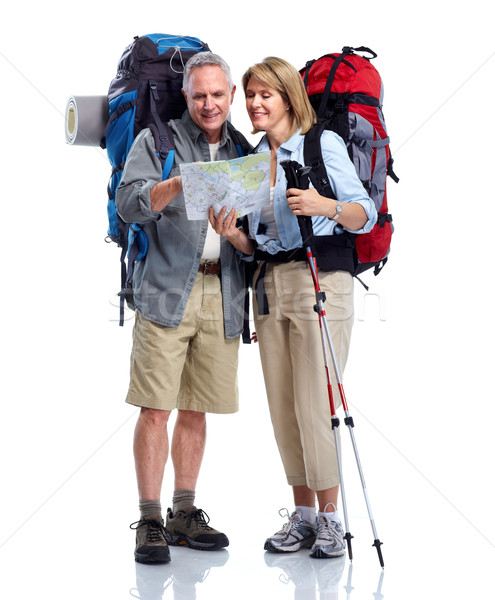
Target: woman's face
{"x":266,"y":108}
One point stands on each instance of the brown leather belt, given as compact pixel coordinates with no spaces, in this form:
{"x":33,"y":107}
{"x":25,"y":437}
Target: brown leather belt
{"x":209,"y":268}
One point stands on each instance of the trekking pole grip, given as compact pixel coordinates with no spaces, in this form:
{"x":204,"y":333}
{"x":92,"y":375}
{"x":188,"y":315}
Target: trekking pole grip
{"x":297,"y":177}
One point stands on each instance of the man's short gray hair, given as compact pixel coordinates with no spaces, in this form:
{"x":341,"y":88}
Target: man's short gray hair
{"x":202,"y":59}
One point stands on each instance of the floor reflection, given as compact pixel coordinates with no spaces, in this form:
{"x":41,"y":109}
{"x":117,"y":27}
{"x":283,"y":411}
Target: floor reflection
{"x":317,"y":579}
{"x":378,"y":594}
{"x":303,"y":577}
{"x":309,"y":575}
{"x":181,"y":576}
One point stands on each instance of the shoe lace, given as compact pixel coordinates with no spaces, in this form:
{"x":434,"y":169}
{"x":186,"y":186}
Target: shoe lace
{"x":155,"y":531}
{"x":293,"y":520}
{"x":327,"y":529}
{"x":200,"y":517}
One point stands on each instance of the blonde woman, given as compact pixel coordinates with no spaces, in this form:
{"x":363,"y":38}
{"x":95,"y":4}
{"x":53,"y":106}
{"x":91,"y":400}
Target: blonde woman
{"x":286,"y":324}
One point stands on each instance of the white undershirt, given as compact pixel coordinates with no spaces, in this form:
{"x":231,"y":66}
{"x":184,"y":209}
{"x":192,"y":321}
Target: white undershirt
{"x":212,"y":242}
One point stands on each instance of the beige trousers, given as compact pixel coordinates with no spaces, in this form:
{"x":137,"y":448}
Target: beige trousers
{"x":293,"y":367}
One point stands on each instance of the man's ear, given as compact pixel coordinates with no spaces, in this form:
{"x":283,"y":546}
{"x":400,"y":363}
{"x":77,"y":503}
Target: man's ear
{"x":232,"y":94}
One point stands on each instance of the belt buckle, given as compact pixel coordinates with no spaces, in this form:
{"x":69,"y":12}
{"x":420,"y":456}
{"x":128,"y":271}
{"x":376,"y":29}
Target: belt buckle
{"x":210,"y":268}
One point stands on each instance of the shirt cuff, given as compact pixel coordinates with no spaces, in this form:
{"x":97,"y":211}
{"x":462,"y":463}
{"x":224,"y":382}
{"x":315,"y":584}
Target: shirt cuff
{"x":370,"y":210}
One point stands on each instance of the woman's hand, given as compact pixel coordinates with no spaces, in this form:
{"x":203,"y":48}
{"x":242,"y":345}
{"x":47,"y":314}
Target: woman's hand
{"x":310,"y":203}
{"x":226,"y":226}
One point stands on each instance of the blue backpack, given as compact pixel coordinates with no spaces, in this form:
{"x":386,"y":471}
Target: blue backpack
{"x":146,"y":92}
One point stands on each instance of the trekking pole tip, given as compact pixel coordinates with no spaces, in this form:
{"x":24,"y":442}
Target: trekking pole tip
{"x":377,"y":545}
{"x":348,"y":537}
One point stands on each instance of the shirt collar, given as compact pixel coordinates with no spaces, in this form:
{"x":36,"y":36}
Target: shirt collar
{"x":291,"y":145}
{"x":195,"y":132}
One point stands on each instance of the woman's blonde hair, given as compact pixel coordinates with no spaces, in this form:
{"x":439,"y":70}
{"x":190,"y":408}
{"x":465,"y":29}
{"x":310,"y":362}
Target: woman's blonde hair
{"x":278,"y":74}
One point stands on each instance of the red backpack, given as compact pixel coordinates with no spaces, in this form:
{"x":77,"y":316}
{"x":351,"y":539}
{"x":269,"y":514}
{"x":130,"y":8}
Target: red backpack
{"x":346,"y":92}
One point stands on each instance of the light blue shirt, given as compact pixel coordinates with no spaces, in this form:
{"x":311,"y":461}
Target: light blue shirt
{"x":343,"y":179}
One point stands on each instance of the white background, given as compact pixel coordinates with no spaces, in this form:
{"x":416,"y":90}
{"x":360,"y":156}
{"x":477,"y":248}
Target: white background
{"x":419,"y":378}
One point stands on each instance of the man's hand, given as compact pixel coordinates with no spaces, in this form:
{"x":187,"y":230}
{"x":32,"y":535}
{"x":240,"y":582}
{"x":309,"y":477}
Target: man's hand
{"x":226,"y":226}
{"x":164,"y":192}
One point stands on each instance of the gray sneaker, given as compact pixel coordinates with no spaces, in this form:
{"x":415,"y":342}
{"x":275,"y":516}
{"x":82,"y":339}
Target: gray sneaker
{"x":191,"y":529}
{"x":294,"y":535}
{"x":329,"y":541}
{"x":151,"y":541}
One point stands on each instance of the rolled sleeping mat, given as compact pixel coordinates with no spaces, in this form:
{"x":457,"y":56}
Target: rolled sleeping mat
{"x":85,"y":120}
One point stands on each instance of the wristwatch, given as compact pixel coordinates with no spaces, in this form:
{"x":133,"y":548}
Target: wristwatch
{"x":338,"y":208}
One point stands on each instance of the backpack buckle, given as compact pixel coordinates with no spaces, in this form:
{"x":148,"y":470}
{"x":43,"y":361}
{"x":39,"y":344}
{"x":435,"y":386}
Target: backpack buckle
{"x":154,"y":89}
{"x":315,"y":166}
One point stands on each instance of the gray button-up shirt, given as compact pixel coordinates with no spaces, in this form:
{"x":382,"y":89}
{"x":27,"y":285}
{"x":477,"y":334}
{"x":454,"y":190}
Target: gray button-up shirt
{"x":163,"y":279}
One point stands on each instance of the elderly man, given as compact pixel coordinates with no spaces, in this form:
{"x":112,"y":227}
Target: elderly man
{"x":188,"y":295}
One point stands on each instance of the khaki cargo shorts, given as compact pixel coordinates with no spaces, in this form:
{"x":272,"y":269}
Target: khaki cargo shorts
{"x":191,"y":367}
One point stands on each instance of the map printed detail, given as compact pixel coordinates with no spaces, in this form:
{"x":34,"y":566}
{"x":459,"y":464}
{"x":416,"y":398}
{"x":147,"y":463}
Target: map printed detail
{"x":242,"y":184}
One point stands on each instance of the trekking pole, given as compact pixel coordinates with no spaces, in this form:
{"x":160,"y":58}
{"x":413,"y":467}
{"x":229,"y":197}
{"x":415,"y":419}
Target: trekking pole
{"x":296,"y":174}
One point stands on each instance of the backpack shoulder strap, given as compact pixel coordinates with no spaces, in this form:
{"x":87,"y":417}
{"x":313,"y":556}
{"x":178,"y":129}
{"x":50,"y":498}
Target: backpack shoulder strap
{"x":243,"y":147}
{"x":165,"y":146}
{"x":313,"y":158}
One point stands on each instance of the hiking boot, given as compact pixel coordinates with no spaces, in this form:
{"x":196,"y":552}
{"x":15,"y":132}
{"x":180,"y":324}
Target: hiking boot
{"x":329,"y":541}
{"x":191,"y":529}
{"x":294,"y":535}
{"x":151,"y":541}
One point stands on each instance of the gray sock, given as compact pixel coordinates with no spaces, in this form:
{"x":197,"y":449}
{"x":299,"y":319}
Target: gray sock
{"x":150,"y":508}
{"x":183,"y":500}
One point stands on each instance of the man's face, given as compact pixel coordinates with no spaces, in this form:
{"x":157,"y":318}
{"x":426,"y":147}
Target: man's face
{"x":209,"y":99}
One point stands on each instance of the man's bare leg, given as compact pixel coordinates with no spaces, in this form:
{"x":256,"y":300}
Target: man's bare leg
{"x":188,"y":446}
{"x":151,"y":451}
{"x":150,"y":456}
